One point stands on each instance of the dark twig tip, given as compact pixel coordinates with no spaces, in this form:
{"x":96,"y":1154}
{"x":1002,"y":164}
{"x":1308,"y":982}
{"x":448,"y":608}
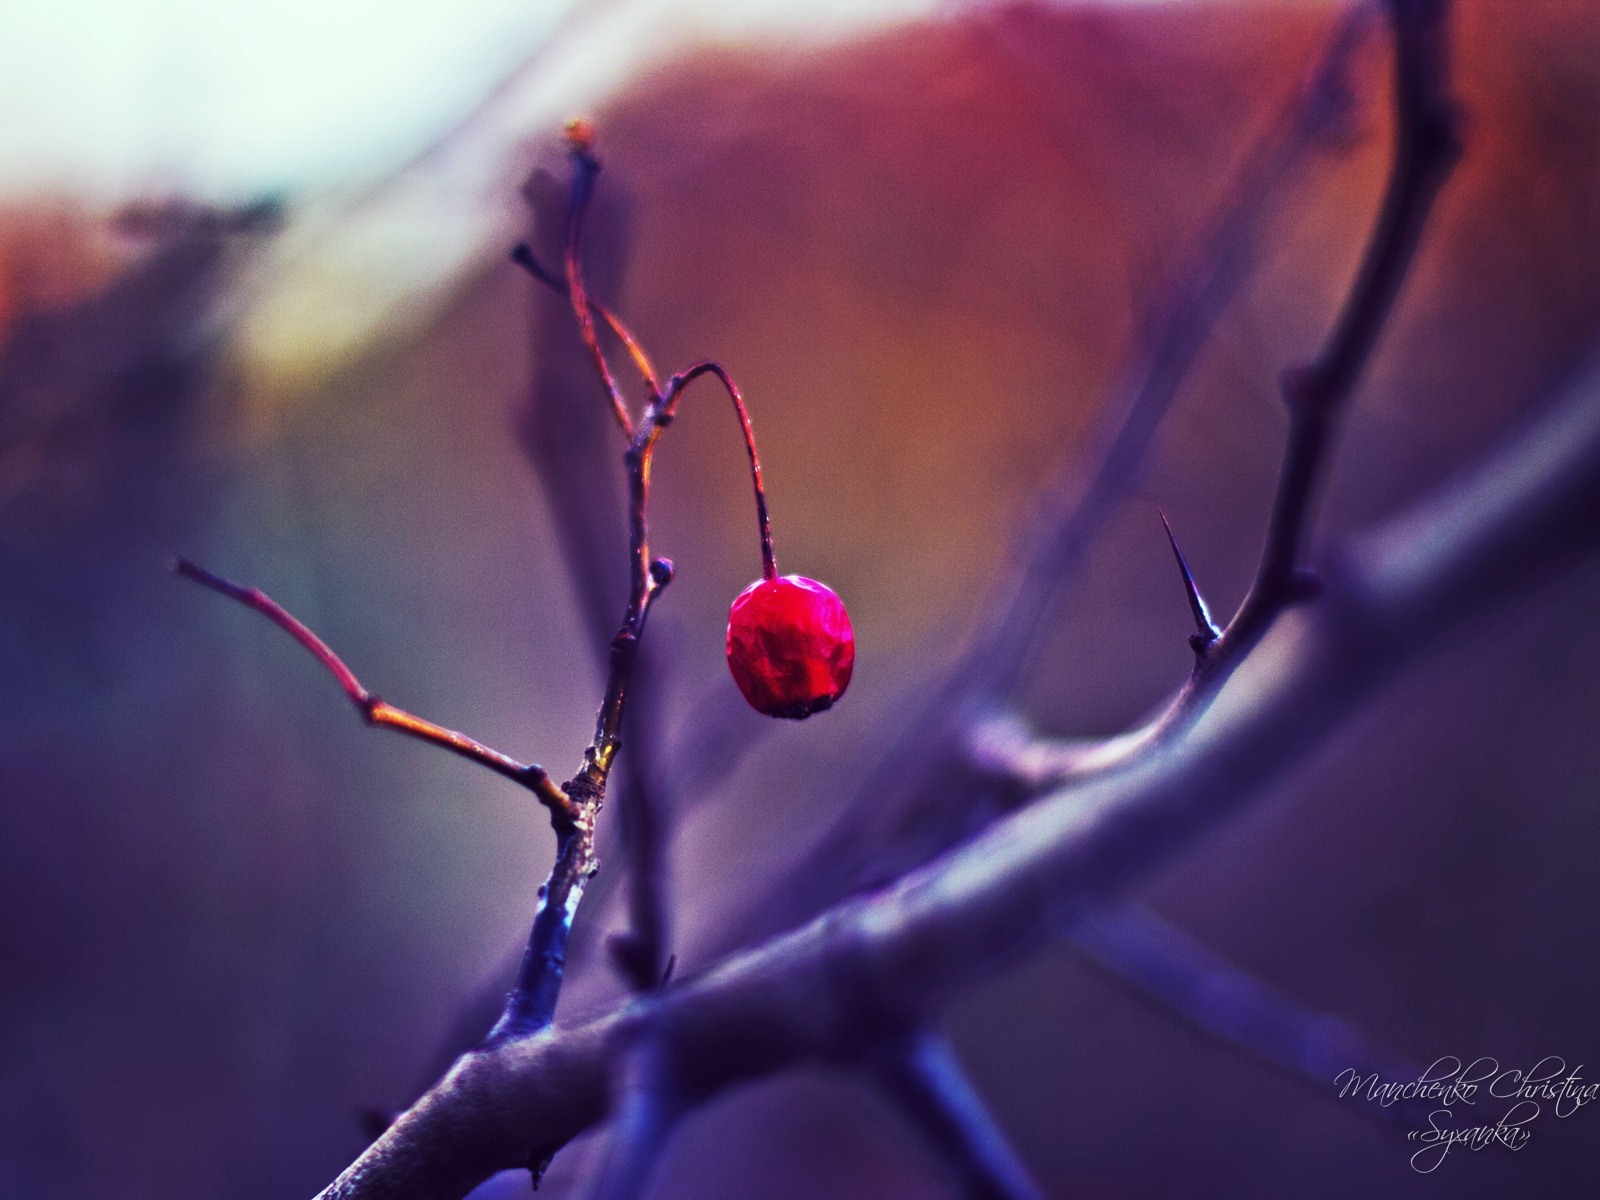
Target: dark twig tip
{"x":1302,"y":388}
{"x":538,"y":1164}
{"x":580,"y":137}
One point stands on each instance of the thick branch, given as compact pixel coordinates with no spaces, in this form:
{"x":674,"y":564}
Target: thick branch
{"x":863,"y":966}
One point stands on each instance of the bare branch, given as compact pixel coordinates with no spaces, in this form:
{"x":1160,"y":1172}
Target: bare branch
{"x":647,"y":1110}
{"x":373,"y":708}
{"x":1166,"y":348}
{"x":1426,"y":148}
{"x":922,"y":1075}
{"x":876,"y":961}
{"x":532,"y":1003}
{"x":586,"y":166}
{"x":522,"y":254}
{"x":1169,"y":969}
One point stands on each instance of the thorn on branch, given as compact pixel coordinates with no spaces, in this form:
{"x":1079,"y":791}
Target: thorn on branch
{"x":1206,"y":630}
{"x":538,"y":1163}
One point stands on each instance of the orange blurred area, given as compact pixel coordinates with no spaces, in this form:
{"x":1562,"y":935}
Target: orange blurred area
{"x":53,"y":254}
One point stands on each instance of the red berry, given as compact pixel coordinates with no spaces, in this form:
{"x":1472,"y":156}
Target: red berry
{"x":790,"y":646}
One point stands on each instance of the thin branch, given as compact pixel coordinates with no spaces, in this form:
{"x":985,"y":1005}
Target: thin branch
{"x":531,"y":1004}
{"x":580,"y":139}
{"x":1169,"y":969}
{"x":373,"y":708}
{"x":812,"y":994}
{"x":922,"y":1075}
{"x":1426,"y":149}
{"x":522,"y":254}
{"x":1166,"y":348}
{"x":647,"y":1110}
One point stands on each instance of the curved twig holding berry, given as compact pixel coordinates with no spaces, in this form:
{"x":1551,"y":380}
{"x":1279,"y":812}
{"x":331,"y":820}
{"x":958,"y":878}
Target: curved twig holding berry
{"x":531,"y":1005}
{"x":668,"y":409}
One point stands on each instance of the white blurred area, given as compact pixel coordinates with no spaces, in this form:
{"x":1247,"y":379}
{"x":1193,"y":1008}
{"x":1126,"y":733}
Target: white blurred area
{"x":395,"y":133}
{"x":225,"y":101}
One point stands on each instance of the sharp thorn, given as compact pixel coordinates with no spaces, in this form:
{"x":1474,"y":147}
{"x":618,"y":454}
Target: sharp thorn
{"x":1206,"y":629}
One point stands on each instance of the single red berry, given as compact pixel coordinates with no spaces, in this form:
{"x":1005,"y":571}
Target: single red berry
{"x":790,"y":646}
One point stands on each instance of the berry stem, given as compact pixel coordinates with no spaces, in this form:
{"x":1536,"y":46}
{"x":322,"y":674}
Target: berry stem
{"x":668,"y":409}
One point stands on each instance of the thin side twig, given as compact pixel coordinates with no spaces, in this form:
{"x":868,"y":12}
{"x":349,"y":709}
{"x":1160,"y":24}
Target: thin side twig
{"x":373,"y":708}
{"x":920,"y":1073}
{"x":1169,"y":969}
{"x":647,"y":1107}
{"x":522,"y":254}
{"x":586,"y":168}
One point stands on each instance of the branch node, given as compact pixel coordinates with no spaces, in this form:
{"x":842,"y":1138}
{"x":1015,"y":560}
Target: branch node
{"x":1304,"y":389}
{"x":1305,"y":586}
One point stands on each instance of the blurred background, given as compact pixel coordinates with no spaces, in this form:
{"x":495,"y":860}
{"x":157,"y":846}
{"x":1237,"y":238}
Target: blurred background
{"x":255,"y":309}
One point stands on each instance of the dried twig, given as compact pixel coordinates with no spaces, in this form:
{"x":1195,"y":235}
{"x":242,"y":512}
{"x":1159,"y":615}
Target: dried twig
{"x":921,"y":1074}
{"x":377,"y":711}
